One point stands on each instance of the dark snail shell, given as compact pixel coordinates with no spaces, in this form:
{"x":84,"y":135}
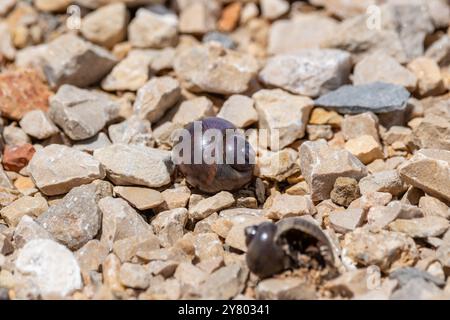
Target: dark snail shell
{"x":226,"y":176}
{"x":273,"y":248}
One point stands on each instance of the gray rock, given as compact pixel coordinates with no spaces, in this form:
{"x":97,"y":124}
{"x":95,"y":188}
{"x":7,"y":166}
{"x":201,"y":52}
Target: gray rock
{"x":76,"y":219}
{"x":90,"y":145}
{"x":28,"y":230}
{"x":71,"y":60}
{"x":220,"y":37}
{"x":377,"y":97}
{"x":311,"y":72}
{"x":136,"y":165}
{"x":132,"y":131}
{"x":82,"y":113}
{"x":37,"y":124}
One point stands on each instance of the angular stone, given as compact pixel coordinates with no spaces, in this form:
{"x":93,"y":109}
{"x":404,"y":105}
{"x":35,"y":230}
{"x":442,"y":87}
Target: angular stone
{"x":134,"y":276}
{"x":311,"y":72}
{"x":345,"y":191}
{"x":284,"y":115}
{"x":133,"y":131}
{"x":365,"y":148}
{"x":136,"y":165}
{"x":434,"y":207}
{"x":128,"y":248}
{"x":383,"y":181}
{"x":429,"y":76}
{"x":99,"y":141}
{"x":153,"y":30}
{"x":277,"y":165}
{"x":376,"y":97}
{"x":176,"y":198}
{"x":285,"y":289}
{"x":76,"y":219}
{"x":71,"y":60}
{"x":189,"y":274}
{"x":7,"y":49}
{"x":208,"y":246}
{"x":321,"y":166}
{"x":397,"y":134}
{"x":193,"y":110}
{"x":25,"y":206}
{"x":354,"y":126}
{"x":38,"y":125}
{"x":28,"y":230}
{"x":91,"y":256}
{"x":382,"y":67}
{"x":52,"y":6}
{"x":169,"y":226}
{"x":239,"y":110}
{"x":284,"y":206}
{"x":439,"y":51}
{"x":106,"y":26}
{"x":82,"y":113}
{"x":230,"y":17}
{"x":430,"y":226}
{"x":140,"y":198}
{"x":16,"y":158}
{"x":198,"y":17}
{"x":429,"y":170}
{"x":385,"y":249}
{"x":15,"y":136}
{"x":305,"y":31}
{"x":57,"y":169}
{"x":120,"y":221}
{"x":273,"y":9}
{"x":235,"y":237}
{"x":156,"y":97}
{"x":347,"y":221}
{"x":49,"y":268}
{"x":22,"y":91}
{"x":320,"y":116}
{"x":225,"y":283}
{"x":214,"y":69}
{"x":210,"y":205}
{"x":433,"y":132}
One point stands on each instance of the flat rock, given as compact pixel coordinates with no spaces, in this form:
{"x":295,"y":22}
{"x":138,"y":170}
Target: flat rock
{"x":206,"y":207}
{"x":322,"y":165}
{"x":99,"y":141}
{"x":81,"y":113}
{"x":284,"y":115}
{"x":346,"y":221}
{"x":383,"y":68}
{"x":134,"y":276}
{"x":48,"y":268}
{"x":91,"y":256}
{"x":57,"y":169}
{"x":430,"y":226}
{"x":193,"y":110}
{"x":106,"y":26}
{"x":22,"y":91}
{"x":76,"y":219}
{"x":284,"y":206}
{"x":71,"y":60}
{"x":239,"y":110}
{"x":214,"y":69}
{"x":153,"y":30}
{"x":429,"y":170}
{"x":25,"y":206}
{"x":376,"y":97}
{"x":434,"y":207}
{"x":136,"y":165}
{"x":37,"y":124}
{"x":140,"y":198}
{"x":277,"y":165}
{"x":156,"y":97}
{"x":311,"y":72}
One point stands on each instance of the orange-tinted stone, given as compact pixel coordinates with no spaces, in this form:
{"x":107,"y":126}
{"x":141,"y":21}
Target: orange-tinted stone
{"x":15,"y":158}
{"x":22,"y":91}
{"x":230,"y":17}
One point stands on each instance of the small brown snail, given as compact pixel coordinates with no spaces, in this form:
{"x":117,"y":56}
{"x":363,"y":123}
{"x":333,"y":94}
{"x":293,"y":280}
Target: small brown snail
{"x":215,"y":156}
{"x":273,"y":248}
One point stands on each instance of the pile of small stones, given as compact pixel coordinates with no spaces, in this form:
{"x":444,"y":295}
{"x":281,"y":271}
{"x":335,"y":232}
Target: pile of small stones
{"x":91,"y":206}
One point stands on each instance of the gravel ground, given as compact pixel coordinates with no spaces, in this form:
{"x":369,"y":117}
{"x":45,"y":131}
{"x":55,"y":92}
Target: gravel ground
{"x":348,"y":109}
